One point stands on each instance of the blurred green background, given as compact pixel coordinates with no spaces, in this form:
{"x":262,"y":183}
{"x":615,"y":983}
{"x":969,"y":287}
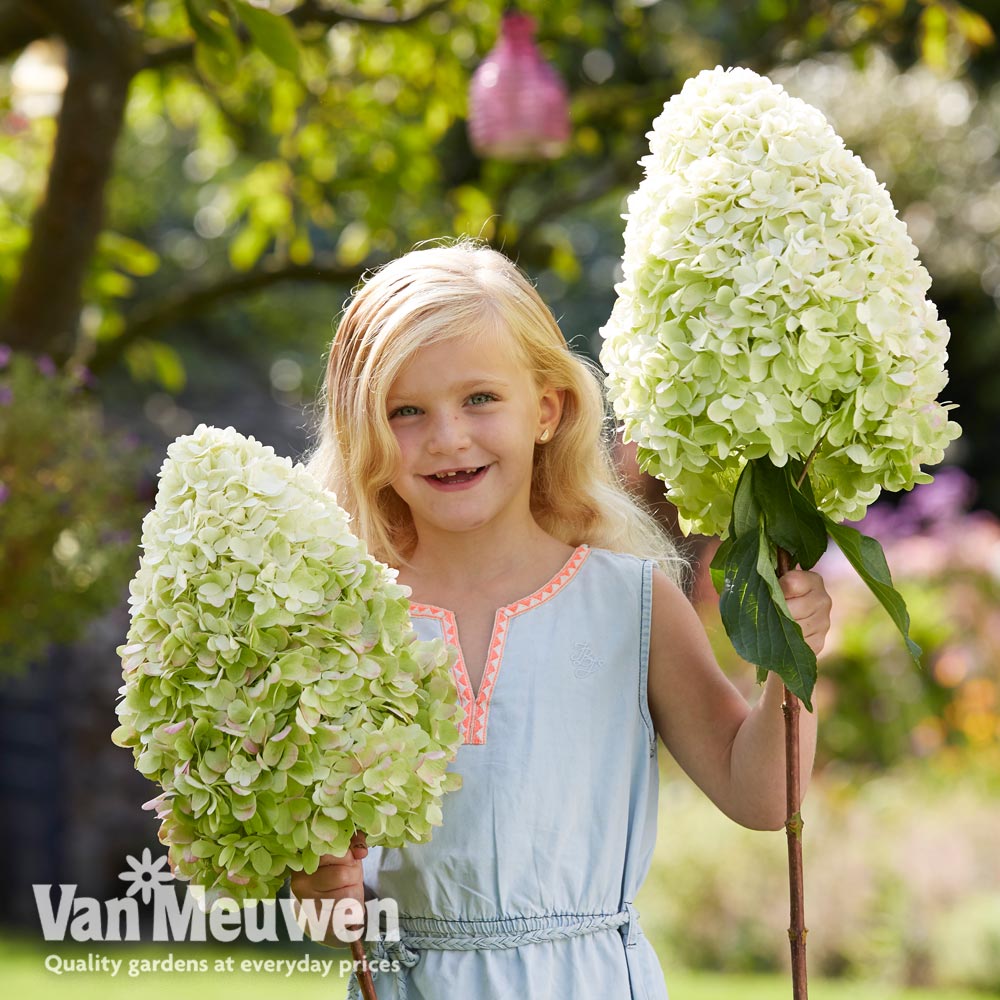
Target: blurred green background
{"x":189,"y":189}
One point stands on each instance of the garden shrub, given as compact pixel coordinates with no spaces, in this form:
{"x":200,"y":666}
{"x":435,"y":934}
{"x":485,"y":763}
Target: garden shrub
{"x":70,"y":507}
{"x":898,"y":867}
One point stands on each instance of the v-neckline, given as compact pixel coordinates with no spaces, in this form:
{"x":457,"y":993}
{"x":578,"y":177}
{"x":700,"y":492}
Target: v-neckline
{"x":477,"y":705}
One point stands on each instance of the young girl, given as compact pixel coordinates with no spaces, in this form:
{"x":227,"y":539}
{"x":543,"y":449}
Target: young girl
{"x":465,"y":439}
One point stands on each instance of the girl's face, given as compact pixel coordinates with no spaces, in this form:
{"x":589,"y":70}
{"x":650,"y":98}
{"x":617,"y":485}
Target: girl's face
{"x":466,"y":416}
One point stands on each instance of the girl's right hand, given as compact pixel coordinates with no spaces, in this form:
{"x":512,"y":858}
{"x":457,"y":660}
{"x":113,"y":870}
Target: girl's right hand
{"x":337,"y":877}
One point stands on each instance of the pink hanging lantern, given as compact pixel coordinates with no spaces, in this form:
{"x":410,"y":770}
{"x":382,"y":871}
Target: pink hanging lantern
{"x":518,"y":106}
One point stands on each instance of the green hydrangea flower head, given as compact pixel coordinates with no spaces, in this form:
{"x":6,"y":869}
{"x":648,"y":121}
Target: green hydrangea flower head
{"x":274,"y":686}
{"x":772,"y":304}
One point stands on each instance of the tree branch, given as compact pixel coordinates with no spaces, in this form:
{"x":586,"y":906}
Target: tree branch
{"x":82,"y":24}
{"x":188,"y":302}
{"x":19,"y":27}
{"x":311,"y":12}
{"x":615,"y":175}
{"x":308,"y":13}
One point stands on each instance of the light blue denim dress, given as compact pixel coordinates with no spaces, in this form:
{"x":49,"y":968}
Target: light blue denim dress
{"x":526,"y":889}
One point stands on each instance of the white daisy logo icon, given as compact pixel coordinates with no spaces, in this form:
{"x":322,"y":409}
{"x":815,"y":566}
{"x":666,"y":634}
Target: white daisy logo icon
{"x":146,"y":875}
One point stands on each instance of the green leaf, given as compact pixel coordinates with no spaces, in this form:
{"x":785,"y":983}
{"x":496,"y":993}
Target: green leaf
{"x":217,"y":49}
{"x":113,"y":284}
{"x":744,"y":519}
{"x":128,"y":254}
{"x":866,"y":556}
{"x":168,"y":367}
{"x":247,"y":245}
{"x":974,"y":28}
{"x":757,"y":620}
{"x":746,"y":512}
{"x":272,"y":34}
{"x":152,"y":360}
{"x":792,"y":521}
{"x":718,"y":564}
{"x":934,"y":36}
{"x":217,"y":66}
{"x":210,"y":25}
{"x":796,"y":467}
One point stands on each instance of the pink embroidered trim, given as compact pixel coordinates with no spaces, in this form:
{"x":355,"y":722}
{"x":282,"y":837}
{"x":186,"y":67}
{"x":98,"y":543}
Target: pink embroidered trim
{"x":477,"y":711}
{"x":458,"y":671}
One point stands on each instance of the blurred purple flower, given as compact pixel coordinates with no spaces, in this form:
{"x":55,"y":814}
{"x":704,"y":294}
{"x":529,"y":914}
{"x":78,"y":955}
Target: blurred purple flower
{"x":5,"y":353}
{"x":925,"y":508}
{"x":115,"y":537}
{"x":881,"y":521}
{"x":4,"y":492}
{"x":82,"y":375}
{"x":46,"y":365}
{"x":949,"y":496}
{"x":6,"y":395}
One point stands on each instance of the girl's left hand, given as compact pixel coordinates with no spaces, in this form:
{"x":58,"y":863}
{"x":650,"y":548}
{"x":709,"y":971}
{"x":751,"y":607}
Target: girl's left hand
{"x":809,"y":604}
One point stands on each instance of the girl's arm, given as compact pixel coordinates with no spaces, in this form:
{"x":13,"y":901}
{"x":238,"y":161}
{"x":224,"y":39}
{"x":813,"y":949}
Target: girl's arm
{"x":733,"y":752}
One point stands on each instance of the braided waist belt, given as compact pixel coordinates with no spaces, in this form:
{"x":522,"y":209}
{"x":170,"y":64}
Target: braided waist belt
{"x":430,"y":933}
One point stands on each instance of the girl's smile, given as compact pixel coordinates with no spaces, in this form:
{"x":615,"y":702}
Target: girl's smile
{"x":457,"y":479}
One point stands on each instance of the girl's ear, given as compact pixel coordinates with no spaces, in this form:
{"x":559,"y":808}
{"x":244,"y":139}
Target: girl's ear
{"x":550,"y":407}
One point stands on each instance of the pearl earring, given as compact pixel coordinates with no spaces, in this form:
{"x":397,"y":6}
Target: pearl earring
{"x":544,"y":437}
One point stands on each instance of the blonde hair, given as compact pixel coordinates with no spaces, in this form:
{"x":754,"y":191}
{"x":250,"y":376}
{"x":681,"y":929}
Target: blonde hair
{"x":435,"y":294}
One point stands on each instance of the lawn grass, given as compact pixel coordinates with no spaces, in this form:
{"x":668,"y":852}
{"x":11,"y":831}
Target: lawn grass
{"x":23,"y":974}
{"x":710,"y":986}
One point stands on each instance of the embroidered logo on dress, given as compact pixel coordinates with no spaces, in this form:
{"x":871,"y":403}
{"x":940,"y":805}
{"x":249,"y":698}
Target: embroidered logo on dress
{"x":583,"y":660}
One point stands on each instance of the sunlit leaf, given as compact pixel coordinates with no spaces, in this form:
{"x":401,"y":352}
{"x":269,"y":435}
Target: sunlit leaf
{"x":272,"y":34}
{"x":354,"y":243}
{"x":247,"y":245}
{"x":217,"y":65}
{"x":210,"y":24}
{"x":866,"y":556}
{"x":934,"y":37}
{"x":113,"y":284}
{"x":300,"y":250}
{"x":153,"y":361}
{"x":128,"y":254}
{"x":974,"y":27}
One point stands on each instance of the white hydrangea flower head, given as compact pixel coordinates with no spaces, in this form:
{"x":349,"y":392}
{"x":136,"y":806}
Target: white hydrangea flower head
{"x":274,"y":687}
{"x":771,"y":304}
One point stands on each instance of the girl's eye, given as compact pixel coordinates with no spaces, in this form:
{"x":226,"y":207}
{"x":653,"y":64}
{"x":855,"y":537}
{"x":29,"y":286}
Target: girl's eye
{"x":403,"y":411}
{"x":478,"y":398}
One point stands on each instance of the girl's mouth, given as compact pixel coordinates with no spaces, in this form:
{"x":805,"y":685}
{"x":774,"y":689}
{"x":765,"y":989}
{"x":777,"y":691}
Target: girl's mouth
{"x":462,"y":479}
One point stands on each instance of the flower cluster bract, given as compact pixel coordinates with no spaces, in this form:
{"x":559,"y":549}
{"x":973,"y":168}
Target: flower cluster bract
{"x":772,"y":304}
{"x":274,"y":687}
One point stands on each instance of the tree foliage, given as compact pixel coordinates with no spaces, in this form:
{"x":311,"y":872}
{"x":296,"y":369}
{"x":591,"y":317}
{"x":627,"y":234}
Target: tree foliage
{"x":163,"y":159}
{"x":208,"y":148}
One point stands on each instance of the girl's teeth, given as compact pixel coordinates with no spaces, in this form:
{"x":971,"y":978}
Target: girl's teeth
{"x":448,"y":475}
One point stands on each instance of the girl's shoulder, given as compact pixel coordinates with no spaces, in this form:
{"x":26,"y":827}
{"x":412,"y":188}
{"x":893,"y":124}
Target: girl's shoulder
{"x":622,"y":560}
{"x":610,"y":569}
{"x":634,"y":578}
{"x":675,"y":574}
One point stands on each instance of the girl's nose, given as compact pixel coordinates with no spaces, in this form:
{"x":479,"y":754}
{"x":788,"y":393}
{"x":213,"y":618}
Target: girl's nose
{"x":448,"y":434}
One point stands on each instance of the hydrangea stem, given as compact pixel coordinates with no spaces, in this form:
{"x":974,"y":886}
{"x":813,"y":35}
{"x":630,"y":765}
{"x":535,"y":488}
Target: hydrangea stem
{"x":793,"y":829}
{"x":362,"y":972}
{"x":802,"y":478}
